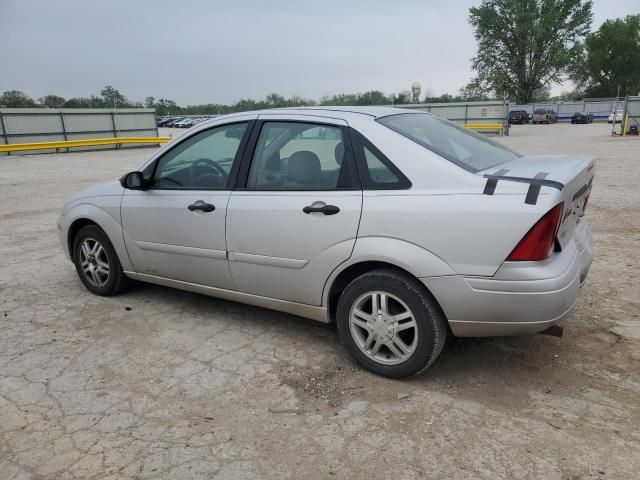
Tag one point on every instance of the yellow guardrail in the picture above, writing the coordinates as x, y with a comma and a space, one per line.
484, 126
92, 142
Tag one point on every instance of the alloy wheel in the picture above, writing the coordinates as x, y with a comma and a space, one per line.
94, 262
383, 327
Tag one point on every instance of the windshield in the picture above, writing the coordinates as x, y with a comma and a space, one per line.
469, 150
540, 111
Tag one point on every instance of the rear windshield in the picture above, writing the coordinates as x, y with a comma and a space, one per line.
469, 150
540, 111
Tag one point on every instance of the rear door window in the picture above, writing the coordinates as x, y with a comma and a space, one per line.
300, 156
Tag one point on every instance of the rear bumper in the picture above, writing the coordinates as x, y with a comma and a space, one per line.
521, 298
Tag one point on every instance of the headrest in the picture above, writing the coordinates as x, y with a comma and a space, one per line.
304, 167
339, 153
273, 162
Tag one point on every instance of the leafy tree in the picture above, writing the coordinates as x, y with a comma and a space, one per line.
166, 107
401, 98
297, 101
611, 59
523, 45
112, 97
372, 97
16, 99
469, 93
84, 102
276, 101
52, 101
542, 94
150, 102
568, 96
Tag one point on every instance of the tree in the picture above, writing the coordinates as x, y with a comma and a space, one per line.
112, 97
274, 100
165, 107
52, 101
84, 102
16, 99
150, 102
523, 45
541, 94
611, 59
401, 98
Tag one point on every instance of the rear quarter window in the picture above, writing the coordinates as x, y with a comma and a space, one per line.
376, 171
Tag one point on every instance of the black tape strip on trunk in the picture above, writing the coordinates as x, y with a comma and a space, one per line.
492, 181
532, 194
534, 189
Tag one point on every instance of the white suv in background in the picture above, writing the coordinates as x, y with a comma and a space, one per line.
616, 116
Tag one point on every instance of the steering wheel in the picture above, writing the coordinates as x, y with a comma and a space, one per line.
205, 162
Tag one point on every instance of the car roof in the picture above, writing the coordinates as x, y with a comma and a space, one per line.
340, 112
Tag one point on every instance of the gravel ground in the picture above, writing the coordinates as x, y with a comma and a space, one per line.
158, 383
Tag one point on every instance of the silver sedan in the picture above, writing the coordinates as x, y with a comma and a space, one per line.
399, 226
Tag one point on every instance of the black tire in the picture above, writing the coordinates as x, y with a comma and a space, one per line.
431, 328
116, 281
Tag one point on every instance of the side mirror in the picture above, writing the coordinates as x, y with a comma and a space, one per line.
133, 181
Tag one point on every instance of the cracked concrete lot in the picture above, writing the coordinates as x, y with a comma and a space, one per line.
163, 384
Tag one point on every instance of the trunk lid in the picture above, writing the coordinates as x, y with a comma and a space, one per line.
575, 173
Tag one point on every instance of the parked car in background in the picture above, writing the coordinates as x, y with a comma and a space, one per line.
544, 115
173, 122
400, 226
616, 116
167, 120
582, 117
185, 123
518, 116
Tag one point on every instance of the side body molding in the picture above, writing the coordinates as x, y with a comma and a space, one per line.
408, 256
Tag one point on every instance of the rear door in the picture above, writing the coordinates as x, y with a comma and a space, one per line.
294, 215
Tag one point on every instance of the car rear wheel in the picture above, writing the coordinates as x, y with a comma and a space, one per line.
390, 324
97, 263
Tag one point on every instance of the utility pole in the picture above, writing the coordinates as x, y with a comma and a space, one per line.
615, 109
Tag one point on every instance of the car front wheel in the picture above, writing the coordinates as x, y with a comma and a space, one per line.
390, 324
97, 263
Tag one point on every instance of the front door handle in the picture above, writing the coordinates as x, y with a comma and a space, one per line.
202, 206
325, 209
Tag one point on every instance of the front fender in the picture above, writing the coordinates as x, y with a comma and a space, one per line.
410, 257
107, 217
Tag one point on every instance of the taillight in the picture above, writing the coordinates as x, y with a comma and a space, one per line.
537, 244
584, 205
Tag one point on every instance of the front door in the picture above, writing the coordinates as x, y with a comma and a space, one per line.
176, 228
295, 213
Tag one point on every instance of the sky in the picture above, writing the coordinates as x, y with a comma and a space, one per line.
220, 51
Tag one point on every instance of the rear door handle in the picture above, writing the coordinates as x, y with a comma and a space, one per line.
325, 209
202, 206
